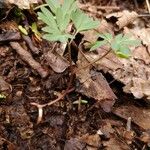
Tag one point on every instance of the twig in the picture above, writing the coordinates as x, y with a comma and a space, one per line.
91, 63
136, 4
34, 49
129, 124
148, 5
27, 57
41, 106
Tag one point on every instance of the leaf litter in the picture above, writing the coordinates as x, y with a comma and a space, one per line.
88, 127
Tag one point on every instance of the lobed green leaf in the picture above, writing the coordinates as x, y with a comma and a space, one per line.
83, 22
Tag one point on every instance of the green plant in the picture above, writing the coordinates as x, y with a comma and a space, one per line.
58, 18
119, 44
35, 30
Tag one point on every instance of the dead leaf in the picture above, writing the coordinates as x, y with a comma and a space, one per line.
109, 62
93, 85
115, 144
141, 53
133, 72
93, 141
105, 27
56, 62
5, 87
74, 144
140, 116
106, 128
22, 4
143, 33
124, 18
145, 137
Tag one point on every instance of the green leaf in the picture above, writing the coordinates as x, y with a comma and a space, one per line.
62, 19
57, 37
51, 30
23, 30
124, 52
53, 4
49, 17
83, 22
121, 44
107, 36
80, 101
97, 44
68, 6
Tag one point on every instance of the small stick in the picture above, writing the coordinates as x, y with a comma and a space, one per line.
91, 63
129, 124
148, 5
41, 106
34, 49
27, 57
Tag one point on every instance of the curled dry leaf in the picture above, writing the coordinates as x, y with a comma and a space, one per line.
94, 85
140, 116
123, 18
57, 62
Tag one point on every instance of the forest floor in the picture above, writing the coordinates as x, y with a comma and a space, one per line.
107, 105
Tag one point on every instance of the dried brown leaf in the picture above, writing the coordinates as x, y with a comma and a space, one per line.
115, 144
140, 116
57, 62
22, 4
94, 85
124, 18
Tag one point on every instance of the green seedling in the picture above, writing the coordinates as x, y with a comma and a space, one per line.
58, 17
35, 30
80, 101
23, 30
119, 44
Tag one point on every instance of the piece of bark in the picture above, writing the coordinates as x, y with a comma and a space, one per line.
27, 57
